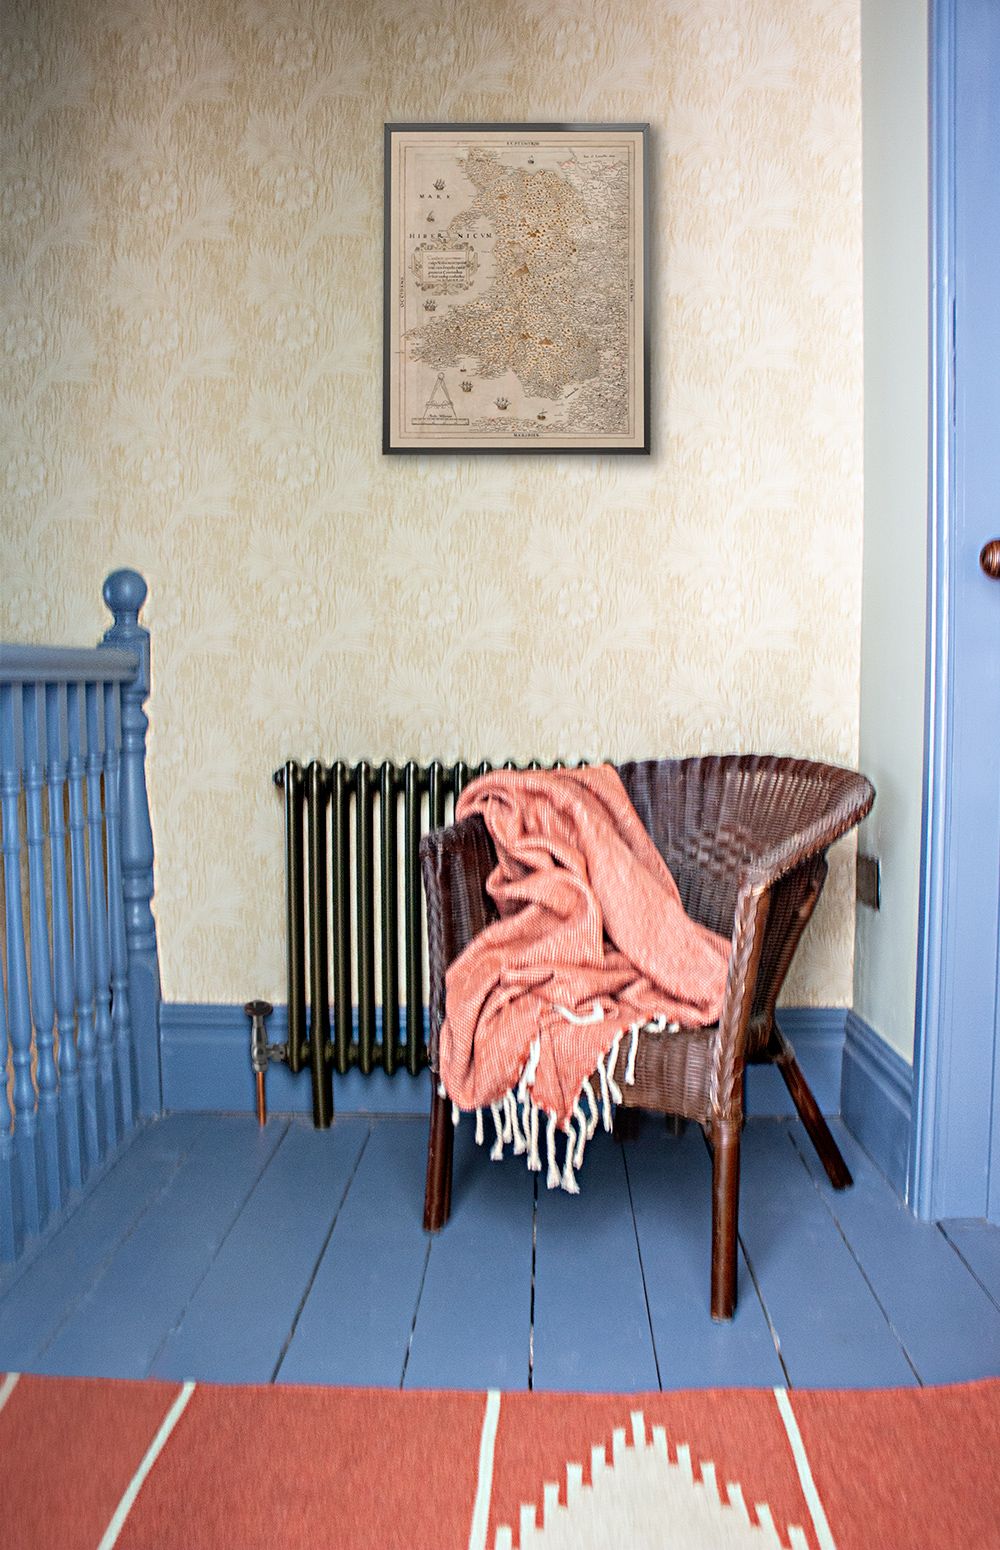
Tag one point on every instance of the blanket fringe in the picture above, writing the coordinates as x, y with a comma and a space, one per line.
568, 1179
605, 1095
496, 1151
588, 1090
520, 1144
534, 1161
633, 1045
520, 1130
581, 1133
613, 1088
553, 1180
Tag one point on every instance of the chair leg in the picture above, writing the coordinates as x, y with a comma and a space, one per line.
809, 1113
626, 1124
725, 1216
440, 1146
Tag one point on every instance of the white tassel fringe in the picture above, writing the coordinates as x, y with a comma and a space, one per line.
520, 1131
613, 1088
568, 1180
553, 1181
496, 1151
630, 1063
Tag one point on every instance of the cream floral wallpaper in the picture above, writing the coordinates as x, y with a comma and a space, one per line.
190, 198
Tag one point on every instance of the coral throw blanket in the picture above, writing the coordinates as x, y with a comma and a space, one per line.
592, 943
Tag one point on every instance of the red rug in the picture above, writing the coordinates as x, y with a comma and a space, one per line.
163, 1467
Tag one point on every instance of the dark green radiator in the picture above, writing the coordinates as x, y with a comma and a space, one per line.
345, 826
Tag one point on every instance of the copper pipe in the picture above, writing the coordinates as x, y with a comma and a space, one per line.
261, 1051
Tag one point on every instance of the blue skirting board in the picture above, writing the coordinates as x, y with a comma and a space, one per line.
205, 1059
875, 1099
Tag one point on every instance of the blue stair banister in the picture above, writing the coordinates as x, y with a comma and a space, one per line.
79, 995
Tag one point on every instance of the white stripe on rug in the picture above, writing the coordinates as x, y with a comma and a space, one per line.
7, 1387
484, 1483
824, 1538
153, 1452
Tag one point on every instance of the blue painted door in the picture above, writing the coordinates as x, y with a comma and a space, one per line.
957, 1131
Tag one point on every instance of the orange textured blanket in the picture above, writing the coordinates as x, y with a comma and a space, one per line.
592, 943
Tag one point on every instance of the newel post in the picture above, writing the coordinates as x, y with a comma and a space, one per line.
125, 593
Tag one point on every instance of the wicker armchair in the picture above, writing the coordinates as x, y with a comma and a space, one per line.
745, 837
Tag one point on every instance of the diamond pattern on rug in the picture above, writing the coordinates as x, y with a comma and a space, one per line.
631, 1500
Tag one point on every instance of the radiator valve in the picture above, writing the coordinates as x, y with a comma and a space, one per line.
261, 1052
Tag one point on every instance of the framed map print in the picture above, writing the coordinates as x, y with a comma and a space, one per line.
515, 288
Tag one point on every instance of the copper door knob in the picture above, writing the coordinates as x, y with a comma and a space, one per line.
989, 558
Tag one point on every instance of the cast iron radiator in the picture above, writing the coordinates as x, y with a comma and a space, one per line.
345, 826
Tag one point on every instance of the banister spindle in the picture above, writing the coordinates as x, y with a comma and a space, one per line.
42, 1003
83, 956
27, 1140
107, 1075
125, 593
121, 1019
11, 1232
71, 1106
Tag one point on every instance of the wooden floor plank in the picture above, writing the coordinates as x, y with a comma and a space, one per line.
474, 1322
12, 1271
591, 1326
830, 1327
356, 1322
118, 1327
978, 1242
236, 1325
200, 1242
41, 1300
942, 1317
671, 1183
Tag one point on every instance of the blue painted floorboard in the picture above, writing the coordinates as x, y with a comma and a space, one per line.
235, 1327
483, 1258
591, 1327
978, 1242
208, 1246
832, 1331
671, 1186
119, 1326
944, 1320
40, 1302
357, 1319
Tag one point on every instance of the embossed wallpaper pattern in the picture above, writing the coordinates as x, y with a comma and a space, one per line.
190, 204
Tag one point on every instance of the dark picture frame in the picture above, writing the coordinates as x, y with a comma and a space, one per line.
458, 320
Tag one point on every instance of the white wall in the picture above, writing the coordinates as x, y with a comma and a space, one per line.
894, 129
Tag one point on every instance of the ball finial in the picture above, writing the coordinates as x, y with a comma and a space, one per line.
125, 592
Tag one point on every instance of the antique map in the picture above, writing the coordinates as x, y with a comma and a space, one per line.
514, 288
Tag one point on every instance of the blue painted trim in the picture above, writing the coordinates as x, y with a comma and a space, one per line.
954, 1057
928, 1056
205, 1059
876, 1099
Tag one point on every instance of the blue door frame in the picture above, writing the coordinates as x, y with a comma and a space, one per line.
955, 1150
